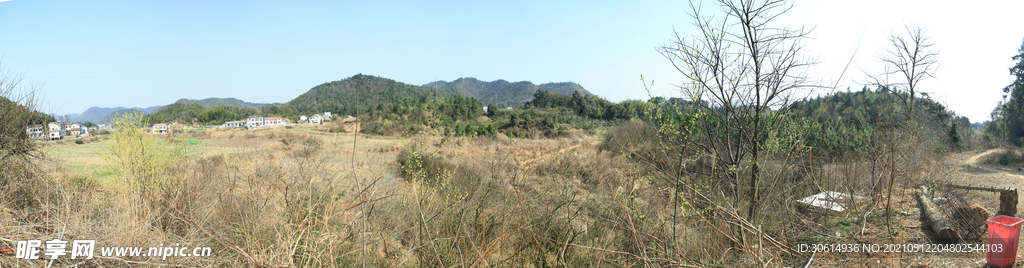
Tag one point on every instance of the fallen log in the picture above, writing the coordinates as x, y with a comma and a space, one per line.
935, 219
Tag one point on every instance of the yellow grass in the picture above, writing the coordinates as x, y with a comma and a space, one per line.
306, 197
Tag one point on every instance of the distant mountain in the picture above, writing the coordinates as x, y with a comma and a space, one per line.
95, 114
339, 97
501, 92
214, 102
106, 119
99, 114
58, 116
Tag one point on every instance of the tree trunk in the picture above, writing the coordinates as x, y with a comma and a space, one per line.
935, 219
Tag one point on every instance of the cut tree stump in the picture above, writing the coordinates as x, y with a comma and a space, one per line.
935, 219
1008, 202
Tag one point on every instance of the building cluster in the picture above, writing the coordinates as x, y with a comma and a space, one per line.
156, 129
316, 118
255, 121
506, 108
57, 131
260, 121
61, 130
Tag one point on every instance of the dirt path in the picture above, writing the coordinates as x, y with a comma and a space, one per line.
982, 169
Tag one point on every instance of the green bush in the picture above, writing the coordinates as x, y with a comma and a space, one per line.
1004, 158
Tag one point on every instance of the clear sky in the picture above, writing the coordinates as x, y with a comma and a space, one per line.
145, 53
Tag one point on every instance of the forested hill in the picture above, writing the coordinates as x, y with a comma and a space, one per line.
869, 107
846, 122
340, 96
214, 102
16, 116
504, 93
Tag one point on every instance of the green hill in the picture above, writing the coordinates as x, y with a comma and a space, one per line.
339, 97
214, 102
846, 123
187, 112
504, 93
15, 114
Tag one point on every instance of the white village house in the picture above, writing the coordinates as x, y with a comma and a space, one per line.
35, 131
254, 121
273, 121
56, 130
302, 118
160, 128
75, 129
231, 124
315, 119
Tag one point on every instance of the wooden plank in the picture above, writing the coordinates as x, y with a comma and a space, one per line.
979, 188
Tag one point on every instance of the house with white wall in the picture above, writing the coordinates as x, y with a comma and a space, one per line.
302, 118
273, 121
315, 119
56, 130
231, 124
254, 121
35, 131
160, 128
74, 130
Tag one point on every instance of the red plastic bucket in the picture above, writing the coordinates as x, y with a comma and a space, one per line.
1003, 235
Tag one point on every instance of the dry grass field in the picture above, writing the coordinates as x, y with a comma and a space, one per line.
312, 197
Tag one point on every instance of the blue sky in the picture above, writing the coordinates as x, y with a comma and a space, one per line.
145, 53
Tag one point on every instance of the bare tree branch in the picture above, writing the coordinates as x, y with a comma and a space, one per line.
912, 57
740, 71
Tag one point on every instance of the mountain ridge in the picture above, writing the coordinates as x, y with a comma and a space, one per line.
341, 96
502, 92
106, 119
97, 114
214, 102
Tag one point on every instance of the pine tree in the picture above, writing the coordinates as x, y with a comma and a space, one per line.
1013, 109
